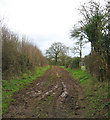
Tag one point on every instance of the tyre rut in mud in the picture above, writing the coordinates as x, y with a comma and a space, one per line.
54, 95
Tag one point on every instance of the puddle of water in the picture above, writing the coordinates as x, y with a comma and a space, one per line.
37, 83
64, 94
47, 93
56, 86
51, 91
63, 85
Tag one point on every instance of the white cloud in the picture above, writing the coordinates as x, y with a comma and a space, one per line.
44, 21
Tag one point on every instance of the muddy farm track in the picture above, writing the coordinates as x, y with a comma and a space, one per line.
54, 95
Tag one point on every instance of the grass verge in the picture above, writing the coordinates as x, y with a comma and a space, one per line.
12, 86
95, 94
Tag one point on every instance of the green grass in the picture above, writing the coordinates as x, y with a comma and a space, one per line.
12, 86
95, 93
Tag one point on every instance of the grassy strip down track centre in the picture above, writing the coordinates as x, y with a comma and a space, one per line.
12, 86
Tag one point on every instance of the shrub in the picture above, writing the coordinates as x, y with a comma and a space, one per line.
75, 62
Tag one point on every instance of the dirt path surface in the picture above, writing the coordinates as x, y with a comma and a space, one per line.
54, 95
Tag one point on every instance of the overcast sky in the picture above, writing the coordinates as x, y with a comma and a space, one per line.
43, 21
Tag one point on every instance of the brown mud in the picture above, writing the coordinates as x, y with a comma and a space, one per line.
54, 95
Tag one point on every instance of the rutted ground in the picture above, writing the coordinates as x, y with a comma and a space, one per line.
54, 95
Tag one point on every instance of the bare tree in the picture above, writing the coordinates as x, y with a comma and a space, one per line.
17, 56
55, 52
